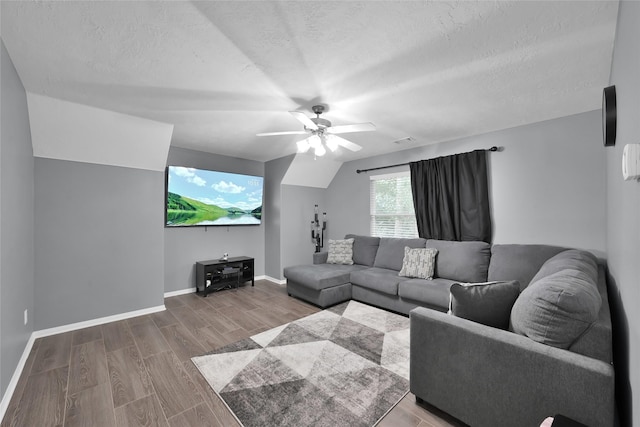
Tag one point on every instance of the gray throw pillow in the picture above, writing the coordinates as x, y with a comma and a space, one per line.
488, 303
557, 309
340, 252
419, 262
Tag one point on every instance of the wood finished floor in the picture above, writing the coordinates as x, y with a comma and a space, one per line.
138, 372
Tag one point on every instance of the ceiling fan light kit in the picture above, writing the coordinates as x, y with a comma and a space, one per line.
322, 133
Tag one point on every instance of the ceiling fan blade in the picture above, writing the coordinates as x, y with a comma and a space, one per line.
293, 132
306, 121
346, 143
358, 127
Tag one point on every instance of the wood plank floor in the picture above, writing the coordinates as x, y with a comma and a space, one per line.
138, 372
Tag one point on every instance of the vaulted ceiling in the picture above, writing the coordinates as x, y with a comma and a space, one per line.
222, 71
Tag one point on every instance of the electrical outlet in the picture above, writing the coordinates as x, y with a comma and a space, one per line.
26, 316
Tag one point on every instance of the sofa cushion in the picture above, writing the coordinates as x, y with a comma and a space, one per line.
418, 262
340, 252
461, 261
488, 303
519, 262
557, 309
364, 249
320, 276
433, 292
379, 279
391, 251
573, 259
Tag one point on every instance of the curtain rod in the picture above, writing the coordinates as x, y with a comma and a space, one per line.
494, 148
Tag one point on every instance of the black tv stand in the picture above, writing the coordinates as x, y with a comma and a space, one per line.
217, 274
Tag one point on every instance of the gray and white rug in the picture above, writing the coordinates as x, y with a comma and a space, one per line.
347, 365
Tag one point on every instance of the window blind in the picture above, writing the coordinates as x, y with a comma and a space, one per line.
391, 206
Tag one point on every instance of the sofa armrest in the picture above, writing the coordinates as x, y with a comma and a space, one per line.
486, 376
320, 257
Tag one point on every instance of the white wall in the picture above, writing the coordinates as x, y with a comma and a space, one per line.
546, 186
68, 131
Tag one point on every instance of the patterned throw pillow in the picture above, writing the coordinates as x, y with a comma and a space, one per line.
340, 252
418, 262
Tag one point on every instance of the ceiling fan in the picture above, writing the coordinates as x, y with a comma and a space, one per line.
322, 133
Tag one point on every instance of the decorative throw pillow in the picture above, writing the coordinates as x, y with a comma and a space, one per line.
340, 252
557, 309
418, 262
488, 303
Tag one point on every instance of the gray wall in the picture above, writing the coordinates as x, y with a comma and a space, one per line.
16, 221
297, 247
623, 216
184, 246
274, 171
99, 241
547, 186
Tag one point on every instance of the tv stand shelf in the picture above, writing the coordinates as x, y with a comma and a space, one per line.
216, 274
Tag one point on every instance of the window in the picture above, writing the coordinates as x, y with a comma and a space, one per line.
391, 204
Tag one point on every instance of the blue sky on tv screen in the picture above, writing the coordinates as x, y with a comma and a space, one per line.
222, 189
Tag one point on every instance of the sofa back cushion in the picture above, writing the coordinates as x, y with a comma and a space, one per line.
364, 249
561, 303
519, 262
461, 261
572, 258
391, 251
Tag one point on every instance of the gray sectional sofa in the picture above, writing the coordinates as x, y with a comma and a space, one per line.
482, 375
373, 277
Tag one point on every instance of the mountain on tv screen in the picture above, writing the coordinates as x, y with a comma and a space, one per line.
198, 197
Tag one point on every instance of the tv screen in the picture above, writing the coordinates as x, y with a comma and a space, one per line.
197, 197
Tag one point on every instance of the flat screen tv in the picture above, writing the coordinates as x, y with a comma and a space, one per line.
198, 197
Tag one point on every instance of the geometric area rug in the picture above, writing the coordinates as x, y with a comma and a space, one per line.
344, 366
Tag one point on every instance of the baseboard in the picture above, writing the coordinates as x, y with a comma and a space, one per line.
192, 290
180, 292
95, 322
271, 279
11, 388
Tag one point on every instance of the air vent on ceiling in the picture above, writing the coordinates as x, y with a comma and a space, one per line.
404, 140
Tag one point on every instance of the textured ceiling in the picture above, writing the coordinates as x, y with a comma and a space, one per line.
223, 71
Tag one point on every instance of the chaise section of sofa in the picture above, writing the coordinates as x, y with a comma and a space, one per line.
325, 284
321, 284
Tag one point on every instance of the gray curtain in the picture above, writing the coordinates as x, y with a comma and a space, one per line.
451, 197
